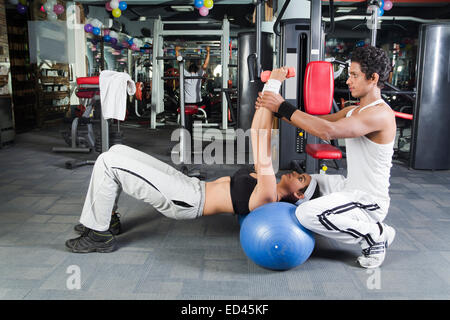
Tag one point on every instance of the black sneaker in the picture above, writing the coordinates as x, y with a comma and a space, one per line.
114, 226
93, 241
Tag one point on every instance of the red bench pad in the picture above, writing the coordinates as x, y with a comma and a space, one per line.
323, 151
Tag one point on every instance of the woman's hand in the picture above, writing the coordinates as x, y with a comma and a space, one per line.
279, 74
269, 100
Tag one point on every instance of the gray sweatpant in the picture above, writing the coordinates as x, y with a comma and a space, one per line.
143, 177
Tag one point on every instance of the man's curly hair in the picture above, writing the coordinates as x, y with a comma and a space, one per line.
373, 60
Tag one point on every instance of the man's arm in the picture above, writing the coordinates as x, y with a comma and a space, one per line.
206, 63
337, 115
357, 125
330, 117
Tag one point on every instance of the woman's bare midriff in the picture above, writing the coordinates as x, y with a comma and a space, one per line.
218, 197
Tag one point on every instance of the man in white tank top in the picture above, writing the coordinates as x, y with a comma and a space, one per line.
352, 209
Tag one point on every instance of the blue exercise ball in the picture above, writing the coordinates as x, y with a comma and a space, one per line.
272, 237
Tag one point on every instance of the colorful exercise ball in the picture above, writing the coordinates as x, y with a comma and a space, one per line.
21, 8
106, 32
88, 27
208, 3
108, 7
387, 5
58, 8
107, 38
203, 11
96, 31
123, 5
114, 4
134, 47
198, 4
113, 41
130, 41
380, 11
116, 12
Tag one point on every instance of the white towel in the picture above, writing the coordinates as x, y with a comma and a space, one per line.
114, 87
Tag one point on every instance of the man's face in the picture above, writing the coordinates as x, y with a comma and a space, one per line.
357, 82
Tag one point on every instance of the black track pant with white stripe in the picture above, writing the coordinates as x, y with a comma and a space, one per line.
347, 216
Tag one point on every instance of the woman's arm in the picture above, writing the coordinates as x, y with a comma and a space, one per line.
261, 134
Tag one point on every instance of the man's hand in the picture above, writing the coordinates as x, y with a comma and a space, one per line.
207, 49
279, 74
269, 100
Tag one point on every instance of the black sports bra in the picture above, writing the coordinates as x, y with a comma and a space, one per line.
242, 185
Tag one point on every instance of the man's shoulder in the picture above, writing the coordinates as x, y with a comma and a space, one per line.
381, 109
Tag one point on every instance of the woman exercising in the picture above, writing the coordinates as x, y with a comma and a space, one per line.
178, 196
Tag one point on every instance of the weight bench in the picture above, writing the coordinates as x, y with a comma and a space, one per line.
318, 99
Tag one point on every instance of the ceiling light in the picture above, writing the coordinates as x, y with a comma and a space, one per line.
182, 8
142, 18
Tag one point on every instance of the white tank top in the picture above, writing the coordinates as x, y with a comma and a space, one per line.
369, 165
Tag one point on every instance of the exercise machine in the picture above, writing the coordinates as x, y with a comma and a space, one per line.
183, 154
157, 100
89, 92
82, 141
301, 41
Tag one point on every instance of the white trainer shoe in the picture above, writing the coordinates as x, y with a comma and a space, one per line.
373, 256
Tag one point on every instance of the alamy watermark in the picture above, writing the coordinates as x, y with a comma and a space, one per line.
221, 150
73, 281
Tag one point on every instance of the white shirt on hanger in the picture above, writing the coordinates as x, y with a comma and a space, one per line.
114, 87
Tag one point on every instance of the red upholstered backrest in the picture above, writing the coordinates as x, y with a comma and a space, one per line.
87, 94
318, 88
88, 80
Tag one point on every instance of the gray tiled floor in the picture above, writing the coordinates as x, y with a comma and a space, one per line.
158, 258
